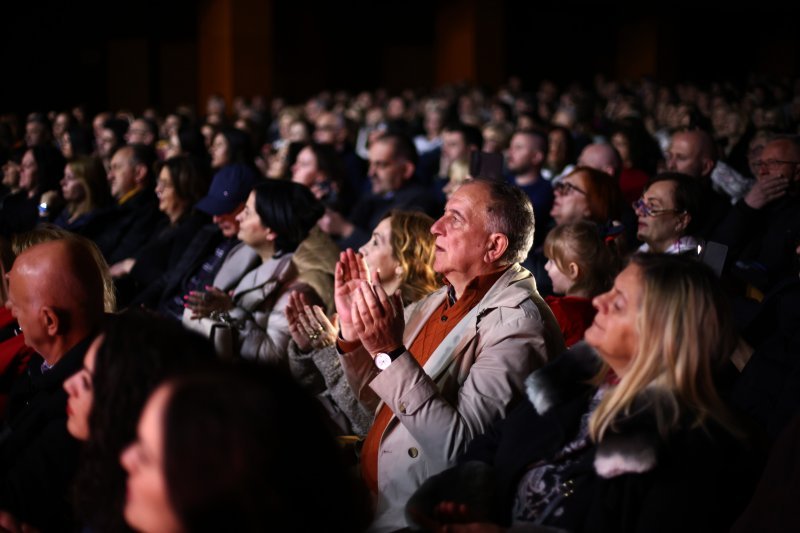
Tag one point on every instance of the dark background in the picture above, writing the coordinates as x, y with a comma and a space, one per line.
132, 54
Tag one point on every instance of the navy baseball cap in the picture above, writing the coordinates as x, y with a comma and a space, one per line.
229, 188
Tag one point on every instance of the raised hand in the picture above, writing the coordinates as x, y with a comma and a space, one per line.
351, 270
293, 310
377, 318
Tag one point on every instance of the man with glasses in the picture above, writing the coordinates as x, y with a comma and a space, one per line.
763, 230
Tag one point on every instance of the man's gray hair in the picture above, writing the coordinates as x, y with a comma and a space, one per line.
510, 212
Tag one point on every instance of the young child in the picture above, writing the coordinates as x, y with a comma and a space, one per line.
581, 266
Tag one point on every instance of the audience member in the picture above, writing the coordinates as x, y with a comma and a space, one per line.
667, 213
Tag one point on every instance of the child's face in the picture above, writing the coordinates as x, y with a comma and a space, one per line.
561, 282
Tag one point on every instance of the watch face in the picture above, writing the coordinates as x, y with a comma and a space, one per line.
383, 360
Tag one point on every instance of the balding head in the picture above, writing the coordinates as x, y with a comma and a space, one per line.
691, 152
56, 294
602, 157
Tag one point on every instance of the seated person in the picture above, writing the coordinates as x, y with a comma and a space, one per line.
277, 217
285, 458
623, 433
667, 212
581, 266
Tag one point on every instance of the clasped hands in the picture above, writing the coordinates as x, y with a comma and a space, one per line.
203, 303
366, 312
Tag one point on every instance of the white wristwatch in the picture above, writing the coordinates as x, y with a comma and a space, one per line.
383, 359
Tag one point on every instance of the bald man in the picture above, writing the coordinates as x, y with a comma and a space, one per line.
602, 157
55, 291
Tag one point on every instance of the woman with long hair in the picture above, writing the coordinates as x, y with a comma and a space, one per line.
241, 449
399, 257
626, 432
84, 188
133, 353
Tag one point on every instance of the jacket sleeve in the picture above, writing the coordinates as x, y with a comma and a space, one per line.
510, 344
339, 391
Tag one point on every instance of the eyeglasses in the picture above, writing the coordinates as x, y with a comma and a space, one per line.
562, 187
646, 210
772, 163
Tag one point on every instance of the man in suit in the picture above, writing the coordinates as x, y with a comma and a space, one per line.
455, 363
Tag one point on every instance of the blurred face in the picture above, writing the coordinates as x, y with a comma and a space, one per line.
11, 175
570, 203
327, 129
28, 178
219, 151
122, 174
659, 224
454, 147
522, 154
228, 223
561, 281
304, 170
557, 153
614, 333
66, 146
461, 233
106, 142
683, 156
71, 187
34, 134
147, 506
620, 142
777, 159
80, 393
139, 133
168, 201
378, 252
386, 172
251, 231
60, 125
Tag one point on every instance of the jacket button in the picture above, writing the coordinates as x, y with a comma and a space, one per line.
402, 407
413, 453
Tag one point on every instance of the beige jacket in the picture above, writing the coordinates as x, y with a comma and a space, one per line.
471, 380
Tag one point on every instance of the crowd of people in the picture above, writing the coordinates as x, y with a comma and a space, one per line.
567, 309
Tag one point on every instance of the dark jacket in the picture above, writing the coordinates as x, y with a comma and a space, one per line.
38, 456
697, 479
129, 227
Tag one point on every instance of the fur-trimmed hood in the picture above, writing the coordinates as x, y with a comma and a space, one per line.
632, 444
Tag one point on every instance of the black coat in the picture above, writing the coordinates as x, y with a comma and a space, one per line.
129, 227
697, 479
38, 456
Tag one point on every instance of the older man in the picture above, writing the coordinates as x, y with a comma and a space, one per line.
56, 294
763, 230
456, 362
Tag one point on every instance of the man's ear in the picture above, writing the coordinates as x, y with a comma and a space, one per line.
50, 321
496, 247
683, 222
408, 170
708, 166
140, 172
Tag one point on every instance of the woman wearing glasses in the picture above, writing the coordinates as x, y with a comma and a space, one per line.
667, 214
586, 194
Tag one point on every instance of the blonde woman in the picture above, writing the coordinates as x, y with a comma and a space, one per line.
399, 256
85, 190
625, 432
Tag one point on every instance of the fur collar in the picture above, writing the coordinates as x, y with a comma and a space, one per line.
632, 444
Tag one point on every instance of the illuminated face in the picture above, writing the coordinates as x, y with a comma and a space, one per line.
80, 393
28, 176
147, 504
251, 230
684, 156
378, 253
305, 171
72, 188
462, 236
570, 202
561, 281
660, 224
122, 174
228, 223
614, 333
168, 201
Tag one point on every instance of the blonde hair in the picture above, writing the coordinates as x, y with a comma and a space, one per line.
48, 233
581, 243
90, 173
413, 247
685, 335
